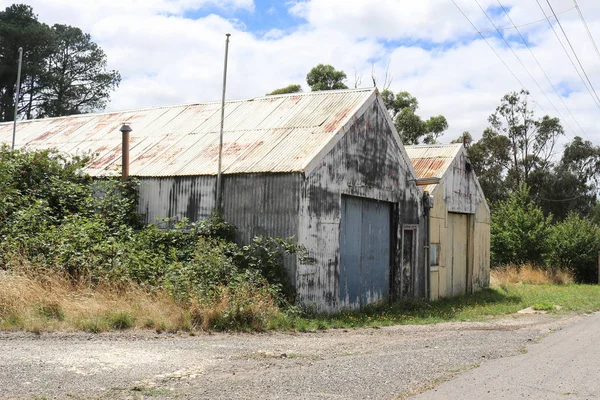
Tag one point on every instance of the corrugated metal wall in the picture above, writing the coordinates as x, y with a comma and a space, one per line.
180, 197
257, 204
366, 162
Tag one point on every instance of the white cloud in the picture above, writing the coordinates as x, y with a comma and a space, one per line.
432, 52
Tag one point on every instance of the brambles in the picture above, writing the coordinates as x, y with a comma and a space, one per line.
63, 233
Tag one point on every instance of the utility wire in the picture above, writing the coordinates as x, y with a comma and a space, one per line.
523, 65
568, 55
560, 200
573, 50
586, 27
527, 24
490, 46
541, 68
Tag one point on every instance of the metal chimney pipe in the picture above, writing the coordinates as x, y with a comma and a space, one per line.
125, 130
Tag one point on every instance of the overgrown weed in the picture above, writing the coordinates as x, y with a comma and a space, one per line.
529, 274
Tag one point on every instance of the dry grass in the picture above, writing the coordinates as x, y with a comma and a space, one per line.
42, 300
243, 307
529, 274
49, 301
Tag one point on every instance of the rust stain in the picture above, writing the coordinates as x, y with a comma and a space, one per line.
152, 152
252, 150
337, 119
428, 167
45, 135
106, 120
229, 149
106, 159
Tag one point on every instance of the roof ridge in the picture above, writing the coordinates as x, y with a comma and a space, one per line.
198, 103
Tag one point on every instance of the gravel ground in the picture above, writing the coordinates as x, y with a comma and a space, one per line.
386, 363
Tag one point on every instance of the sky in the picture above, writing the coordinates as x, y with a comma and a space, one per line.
171, 51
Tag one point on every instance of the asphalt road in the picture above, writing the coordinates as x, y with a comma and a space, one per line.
563, 365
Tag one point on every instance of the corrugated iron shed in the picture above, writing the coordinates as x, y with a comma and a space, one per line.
432, 160
267, 134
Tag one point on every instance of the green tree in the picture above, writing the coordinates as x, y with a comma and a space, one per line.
19, 27
411, 127
325, 77
76, 80
519, 231
574, 245
466, 137
287, 89
532, 140
64, 72
490, 157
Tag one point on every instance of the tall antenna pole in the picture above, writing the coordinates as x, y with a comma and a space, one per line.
17, 97
219, 194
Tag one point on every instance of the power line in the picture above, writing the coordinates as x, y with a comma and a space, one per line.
568, 55
586, 27
573, 50
523, 65
527, 24
541, 68
490, 46
561, 200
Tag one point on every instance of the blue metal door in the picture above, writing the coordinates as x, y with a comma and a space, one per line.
364, 250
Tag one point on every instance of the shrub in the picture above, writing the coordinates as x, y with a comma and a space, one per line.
574, 245
247, 303
519, 231
57, 221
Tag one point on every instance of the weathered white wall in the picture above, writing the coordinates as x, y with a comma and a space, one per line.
367, 161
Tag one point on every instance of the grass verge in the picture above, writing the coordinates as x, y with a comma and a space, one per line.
50, 302
487, 303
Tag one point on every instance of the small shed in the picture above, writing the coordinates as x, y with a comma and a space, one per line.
326, 167
459, 220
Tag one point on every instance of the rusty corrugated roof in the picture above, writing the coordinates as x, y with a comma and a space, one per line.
267, 134
432, 160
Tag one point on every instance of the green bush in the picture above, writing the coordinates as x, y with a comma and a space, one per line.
519, 231
54, 217
574, 244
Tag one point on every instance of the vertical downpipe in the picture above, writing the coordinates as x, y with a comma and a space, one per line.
17, 97
219, 191
125, 130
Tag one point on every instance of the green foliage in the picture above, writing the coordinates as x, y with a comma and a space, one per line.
287, 89
120, 320
466, 137
519, 231
574, 244
411, 127
490, 157
63, 73
325, 77
265, 255
55, 218
19, 27
76, 79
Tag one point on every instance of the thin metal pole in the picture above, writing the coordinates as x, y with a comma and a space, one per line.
17, 97
219, 194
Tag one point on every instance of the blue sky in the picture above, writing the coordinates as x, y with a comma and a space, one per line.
266, 15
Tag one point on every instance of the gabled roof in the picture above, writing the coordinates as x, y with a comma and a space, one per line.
267, 134
432, 160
